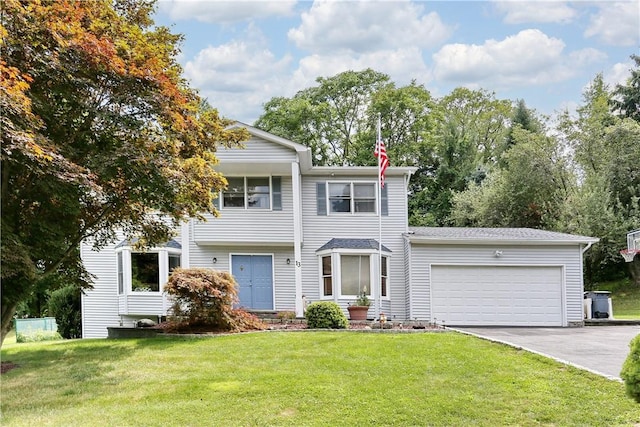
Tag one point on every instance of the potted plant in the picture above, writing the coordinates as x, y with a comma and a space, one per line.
359, 309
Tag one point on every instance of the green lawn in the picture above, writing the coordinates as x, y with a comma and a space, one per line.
625, 298
301, 379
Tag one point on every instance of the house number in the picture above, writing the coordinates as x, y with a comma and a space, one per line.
298, 263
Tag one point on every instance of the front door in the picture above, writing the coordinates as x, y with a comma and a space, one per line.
254, 274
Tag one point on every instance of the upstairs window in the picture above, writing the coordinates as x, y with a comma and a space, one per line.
352, 197
252, 193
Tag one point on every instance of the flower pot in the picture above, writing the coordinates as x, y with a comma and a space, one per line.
358, 312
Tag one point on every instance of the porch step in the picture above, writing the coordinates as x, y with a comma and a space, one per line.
264, 314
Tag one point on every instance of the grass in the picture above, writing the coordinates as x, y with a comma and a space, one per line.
625, 298
302, 379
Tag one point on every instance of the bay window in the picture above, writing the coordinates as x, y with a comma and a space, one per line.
145, 272
345, 274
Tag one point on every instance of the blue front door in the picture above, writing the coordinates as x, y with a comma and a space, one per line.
254, 274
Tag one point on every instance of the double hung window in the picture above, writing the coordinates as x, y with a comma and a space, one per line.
352, 197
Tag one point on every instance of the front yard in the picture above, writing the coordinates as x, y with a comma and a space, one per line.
301, 379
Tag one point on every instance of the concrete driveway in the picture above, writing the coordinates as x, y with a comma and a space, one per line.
598, 349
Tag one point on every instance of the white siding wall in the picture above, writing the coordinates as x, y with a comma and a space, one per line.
318, 230
423, 256
100, 304
256, 150
284, 280
250, 225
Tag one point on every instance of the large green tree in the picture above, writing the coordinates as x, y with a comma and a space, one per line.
99, 132
626, 100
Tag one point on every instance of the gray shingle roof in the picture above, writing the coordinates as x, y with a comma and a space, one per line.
170, 244
352, 244
495, 234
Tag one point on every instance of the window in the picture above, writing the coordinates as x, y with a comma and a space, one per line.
352, 197
233, 196
120, 274
145, 272
327, 283
347, 275
249, 193
383, 277
258, 193
355, 275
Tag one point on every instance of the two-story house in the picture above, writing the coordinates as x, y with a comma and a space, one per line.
293, 233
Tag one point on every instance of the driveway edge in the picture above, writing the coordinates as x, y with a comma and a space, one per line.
539, 353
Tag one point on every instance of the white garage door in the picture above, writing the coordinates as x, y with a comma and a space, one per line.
499, 296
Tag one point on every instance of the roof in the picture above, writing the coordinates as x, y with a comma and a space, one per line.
371, 244
470, 235
170, 244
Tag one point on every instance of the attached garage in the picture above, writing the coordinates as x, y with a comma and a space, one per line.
495, 276
497, 295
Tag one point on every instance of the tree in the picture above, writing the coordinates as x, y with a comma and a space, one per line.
468, 134
328, 117
522, 118
527, 192
100, 132
626, 101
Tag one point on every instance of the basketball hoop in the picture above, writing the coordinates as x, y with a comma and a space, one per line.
629, 254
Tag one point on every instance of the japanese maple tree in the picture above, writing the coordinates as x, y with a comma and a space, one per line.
100, 132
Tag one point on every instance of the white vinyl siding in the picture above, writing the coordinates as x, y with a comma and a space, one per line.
250, 226
319, 229
283, 273
256, 151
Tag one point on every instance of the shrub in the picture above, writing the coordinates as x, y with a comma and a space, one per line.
65, 306
631, 370
325, 315
204, 298
38, 336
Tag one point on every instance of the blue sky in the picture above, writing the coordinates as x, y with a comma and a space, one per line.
240, 54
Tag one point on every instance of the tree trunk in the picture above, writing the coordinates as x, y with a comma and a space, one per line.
8, 310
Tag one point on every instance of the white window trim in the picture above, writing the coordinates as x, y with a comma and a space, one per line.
246, 195
336, 273
163, 268
352, 211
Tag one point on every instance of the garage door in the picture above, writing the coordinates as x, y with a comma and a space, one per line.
499, 296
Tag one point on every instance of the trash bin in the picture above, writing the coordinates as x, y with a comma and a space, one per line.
599, 304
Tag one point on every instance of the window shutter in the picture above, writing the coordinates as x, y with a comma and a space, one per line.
321, 198
384, 201
276, 182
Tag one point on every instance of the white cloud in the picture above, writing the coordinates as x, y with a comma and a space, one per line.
402, 65
238, 77
616, 24
519, 12
527, 58
619, 73
224, 11
367, 26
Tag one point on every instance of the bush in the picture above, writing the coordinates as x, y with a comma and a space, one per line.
631, 370
65, 306
38, 336
325, 315
203, 299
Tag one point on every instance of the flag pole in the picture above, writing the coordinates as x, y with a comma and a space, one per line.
380, 184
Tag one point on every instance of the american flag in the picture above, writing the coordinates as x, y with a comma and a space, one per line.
383, 161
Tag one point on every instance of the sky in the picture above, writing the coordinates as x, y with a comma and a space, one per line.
241, 54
